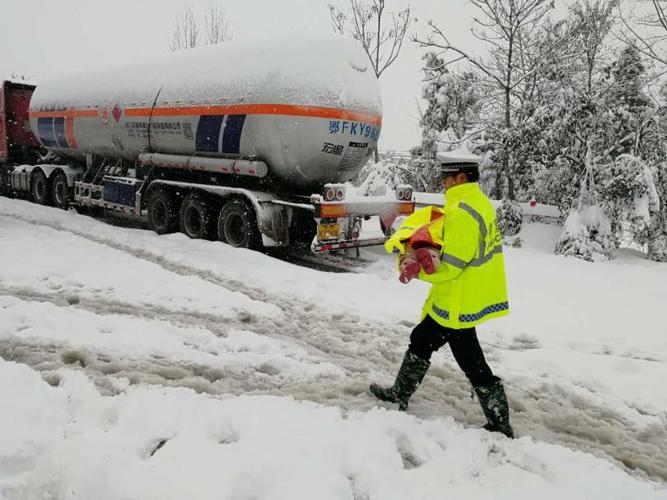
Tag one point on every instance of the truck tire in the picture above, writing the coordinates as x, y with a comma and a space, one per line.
60, 191
237, 225
194, 217
39, 188
162, 212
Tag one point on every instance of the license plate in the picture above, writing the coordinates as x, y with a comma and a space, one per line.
328, 232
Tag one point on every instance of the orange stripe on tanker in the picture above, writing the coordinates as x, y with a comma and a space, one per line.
236, 109
69, 132
258, 109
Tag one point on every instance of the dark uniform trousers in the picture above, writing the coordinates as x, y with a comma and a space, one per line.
429, 336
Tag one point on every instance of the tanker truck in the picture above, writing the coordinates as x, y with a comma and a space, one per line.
250, 143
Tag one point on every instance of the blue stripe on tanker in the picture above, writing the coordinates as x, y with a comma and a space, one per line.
208, 133
231, 139
59, 132
46, 133
219, 133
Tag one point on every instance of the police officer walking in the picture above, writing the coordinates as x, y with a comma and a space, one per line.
468, 288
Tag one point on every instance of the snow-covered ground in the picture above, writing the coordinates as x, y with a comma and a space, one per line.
137, 366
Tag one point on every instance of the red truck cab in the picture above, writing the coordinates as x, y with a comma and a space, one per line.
17, 142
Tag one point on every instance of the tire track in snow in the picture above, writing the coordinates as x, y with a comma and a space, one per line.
216, 324
153, 370
369, 351
305, 314
541, 413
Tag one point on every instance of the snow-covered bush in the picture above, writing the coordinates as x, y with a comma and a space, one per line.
423, 174
630, 193
515, 242
575, 240
509, 217
552, 185
657, 222
587, 233
657, 247
621, 185
381, 177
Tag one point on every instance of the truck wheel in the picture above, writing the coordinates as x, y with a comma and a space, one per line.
237, 225
60, 192
194, 217
39, 188
162, 212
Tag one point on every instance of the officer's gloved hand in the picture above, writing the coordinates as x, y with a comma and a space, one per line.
428, 259
409, 268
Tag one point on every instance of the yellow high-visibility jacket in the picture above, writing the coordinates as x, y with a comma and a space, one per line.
419, 218
469, 287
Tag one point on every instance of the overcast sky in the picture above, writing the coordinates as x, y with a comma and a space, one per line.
42, 37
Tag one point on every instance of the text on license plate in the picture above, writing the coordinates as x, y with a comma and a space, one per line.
328, 231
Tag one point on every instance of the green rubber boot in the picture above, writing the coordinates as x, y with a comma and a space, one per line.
493, 400
410, 375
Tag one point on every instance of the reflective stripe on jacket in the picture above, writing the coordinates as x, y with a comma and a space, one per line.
469, 286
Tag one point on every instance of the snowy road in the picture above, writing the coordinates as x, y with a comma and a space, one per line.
125, 306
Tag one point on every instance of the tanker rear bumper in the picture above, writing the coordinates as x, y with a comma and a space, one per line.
328, 246
339, 220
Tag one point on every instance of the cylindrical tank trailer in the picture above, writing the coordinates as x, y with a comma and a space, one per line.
247, 142
309, 109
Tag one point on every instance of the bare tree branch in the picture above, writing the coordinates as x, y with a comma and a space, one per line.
648, 43
217, 25
185, 34
379, 33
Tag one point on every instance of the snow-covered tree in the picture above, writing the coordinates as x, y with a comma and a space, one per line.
383, 177
558, 103
657, 231
575, 240
593, 125
452, 109
588, 230
648, 222
569, 116
625, 100
453, 99
566, 115
507, 27
509, 217
623, 190
587, 233
620, 172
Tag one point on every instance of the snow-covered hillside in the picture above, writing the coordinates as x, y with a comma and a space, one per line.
136, 366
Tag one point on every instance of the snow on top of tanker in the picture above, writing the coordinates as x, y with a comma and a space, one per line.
314, 71
327, 72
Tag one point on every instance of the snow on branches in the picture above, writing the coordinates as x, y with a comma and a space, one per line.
509, 217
